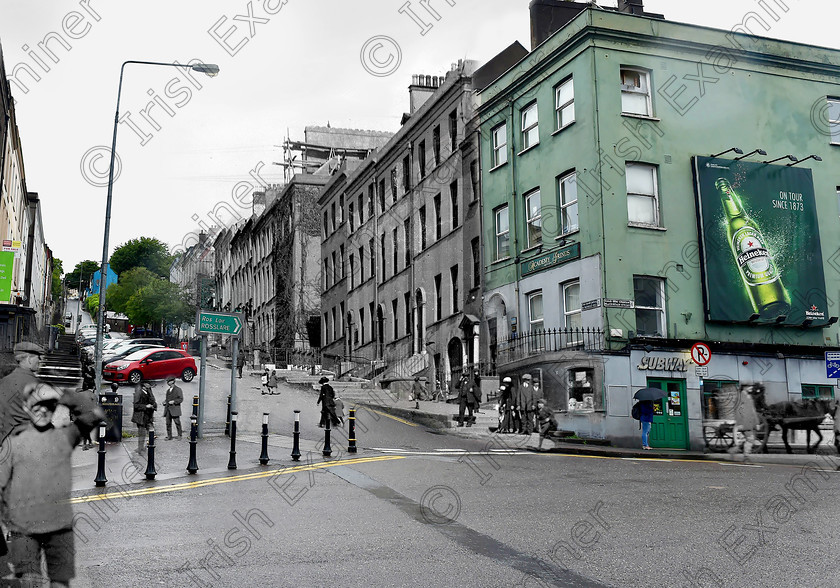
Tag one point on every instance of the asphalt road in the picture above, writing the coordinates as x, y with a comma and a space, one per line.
429, 508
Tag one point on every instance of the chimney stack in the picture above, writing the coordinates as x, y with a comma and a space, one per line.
631, 7
422, 86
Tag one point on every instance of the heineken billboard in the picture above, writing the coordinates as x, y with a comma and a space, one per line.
760, 242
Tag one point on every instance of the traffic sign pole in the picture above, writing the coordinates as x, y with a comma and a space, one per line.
234, 357
202, 372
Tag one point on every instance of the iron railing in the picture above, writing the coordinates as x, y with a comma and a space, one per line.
534, 343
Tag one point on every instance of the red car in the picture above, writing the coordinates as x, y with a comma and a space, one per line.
151, 364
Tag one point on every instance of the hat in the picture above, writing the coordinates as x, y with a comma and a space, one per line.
27, 347
323, 380
526, 376
507, 380
542, 400
170, 379
40, 393
146, 386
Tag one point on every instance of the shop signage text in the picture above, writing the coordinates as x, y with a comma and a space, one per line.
618, 303
551, 259
663, 364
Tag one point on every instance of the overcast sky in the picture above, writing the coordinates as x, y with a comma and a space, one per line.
284, 64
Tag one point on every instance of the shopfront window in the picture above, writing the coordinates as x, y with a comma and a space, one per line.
719, 399
816, 392
583, 396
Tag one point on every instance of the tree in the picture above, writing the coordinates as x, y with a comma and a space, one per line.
130, 283
144, 252
83, 270
56, 278
160, 301
92, 306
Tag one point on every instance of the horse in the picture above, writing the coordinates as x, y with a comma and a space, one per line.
805, 415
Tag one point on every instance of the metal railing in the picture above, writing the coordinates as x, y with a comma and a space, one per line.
550, 340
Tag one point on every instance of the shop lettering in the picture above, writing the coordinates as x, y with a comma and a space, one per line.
663, 364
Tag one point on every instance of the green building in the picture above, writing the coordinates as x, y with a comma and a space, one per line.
648, 185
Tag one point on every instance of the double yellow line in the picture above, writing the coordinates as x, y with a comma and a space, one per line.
228, 479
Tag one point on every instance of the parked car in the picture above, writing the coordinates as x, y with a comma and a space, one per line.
151, 364
125, 352
126, 343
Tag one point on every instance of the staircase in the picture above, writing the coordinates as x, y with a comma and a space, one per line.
351, 392
61, 367
406, 368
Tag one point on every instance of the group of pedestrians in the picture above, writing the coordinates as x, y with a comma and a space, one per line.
145, 406
518, 405
35, 471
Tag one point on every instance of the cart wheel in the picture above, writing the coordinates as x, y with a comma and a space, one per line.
718, 440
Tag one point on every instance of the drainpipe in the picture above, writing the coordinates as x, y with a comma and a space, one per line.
512, 218
601, 189
415, 338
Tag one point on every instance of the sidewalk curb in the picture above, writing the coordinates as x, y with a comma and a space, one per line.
440, 421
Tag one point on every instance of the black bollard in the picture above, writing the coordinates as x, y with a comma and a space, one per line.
100, 478
351, 437
227, 422
195, 406
264, 454
232, 462
327, 449
296, 438
150, 466
192, 467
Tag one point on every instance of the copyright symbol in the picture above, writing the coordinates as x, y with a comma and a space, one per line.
440, 505
821, 118
5, 451
381, 56
95, 166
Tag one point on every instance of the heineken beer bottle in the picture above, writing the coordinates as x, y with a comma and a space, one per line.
758, 271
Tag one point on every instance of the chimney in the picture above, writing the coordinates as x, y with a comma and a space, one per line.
631, 7
422, 86
258, 202
549, 16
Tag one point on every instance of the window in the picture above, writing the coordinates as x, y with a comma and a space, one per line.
642, 199
372, 258
394, 186
564, 103
362, 324
350, 215
535, 311
502, 233
382, 255
533, 210
834, 120
421, 158
341, 255
720, 399
567, 186
394, 308
335, 270
436, 144
474, 180
372, 316
499, 136
453, 200
816, 392
407, 241
395, 257
635, 92
476, 262
371, 190
422, 228
453, 130
530, 126
362, 264
571, 305
333, 214
326, 274
352, 271
406, 174
334, 325
407, 307
361, 209
453, 276
438, 298
583, 395
649, 295
382, 195
438, 219
343, 317
326, 224
340, 209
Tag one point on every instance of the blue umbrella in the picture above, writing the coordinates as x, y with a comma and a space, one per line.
650, 394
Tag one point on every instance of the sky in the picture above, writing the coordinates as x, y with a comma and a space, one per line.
284, 64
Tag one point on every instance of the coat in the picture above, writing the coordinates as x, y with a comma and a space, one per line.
174, 398
326, 398
143, 417
527, 397
12, 415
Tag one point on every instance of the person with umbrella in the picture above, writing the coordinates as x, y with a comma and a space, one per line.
646, 396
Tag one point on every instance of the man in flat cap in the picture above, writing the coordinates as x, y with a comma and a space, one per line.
526, 394
12, 413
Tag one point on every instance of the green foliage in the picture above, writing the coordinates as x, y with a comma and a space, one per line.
56, 278
60, 327
143, 252
84, 270
160, 301
92, 306
130, 283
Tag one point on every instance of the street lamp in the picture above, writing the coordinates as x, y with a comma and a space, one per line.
208, 69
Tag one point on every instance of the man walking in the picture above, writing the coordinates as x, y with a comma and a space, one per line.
240, 361
526, 393
172, 407
144, 412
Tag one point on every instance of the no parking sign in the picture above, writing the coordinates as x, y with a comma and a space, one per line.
701, 354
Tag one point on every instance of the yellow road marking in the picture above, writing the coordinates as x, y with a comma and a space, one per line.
227, 479
390, 416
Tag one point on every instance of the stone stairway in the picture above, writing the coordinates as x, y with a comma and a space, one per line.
61, 367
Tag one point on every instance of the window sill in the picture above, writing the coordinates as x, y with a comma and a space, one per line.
492, 169
531, 249
501, 260
563, 128
528, 148
640, 116
566, 235
645, 226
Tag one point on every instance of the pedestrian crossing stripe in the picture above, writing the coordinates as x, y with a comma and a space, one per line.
226, 479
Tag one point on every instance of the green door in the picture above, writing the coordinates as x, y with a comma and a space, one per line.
670, 418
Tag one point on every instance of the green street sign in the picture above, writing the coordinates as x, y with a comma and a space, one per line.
218, 323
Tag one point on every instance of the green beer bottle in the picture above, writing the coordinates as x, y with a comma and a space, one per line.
759, 273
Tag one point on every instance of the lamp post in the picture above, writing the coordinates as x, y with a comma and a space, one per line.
205, 68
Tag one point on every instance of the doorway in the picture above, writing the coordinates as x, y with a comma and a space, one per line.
670, 415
